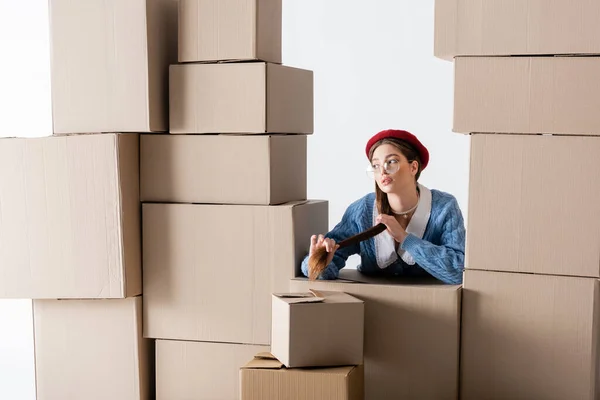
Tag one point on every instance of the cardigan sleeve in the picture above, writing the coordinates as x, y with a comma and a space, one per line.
347, 227
446, 260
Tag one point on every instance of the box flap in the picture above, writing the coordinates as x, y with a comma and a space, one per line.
264, 360
307, 297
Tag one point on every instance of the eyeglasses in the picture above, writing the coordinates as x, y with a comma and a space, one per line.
390, 167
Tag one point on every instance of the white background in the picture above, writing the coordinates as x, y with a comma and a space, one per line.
374, 69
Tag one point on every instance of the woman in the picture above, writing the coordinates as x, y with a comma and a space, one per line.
425, 228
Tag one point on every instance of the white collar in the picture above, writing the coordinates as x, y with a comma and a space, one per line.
385, 247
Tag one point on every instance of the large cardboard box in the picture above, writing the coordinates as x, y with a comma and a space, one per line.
200, 370
250, 98
209, 270
70, 217
265, 378
110, 61
515, 27
527, 95
222, 30
92, 349
528, 336
412, 328
317, 329
533, 204
223, 169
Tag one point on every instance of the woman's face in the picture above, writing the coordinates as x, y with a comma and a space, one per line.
392, 171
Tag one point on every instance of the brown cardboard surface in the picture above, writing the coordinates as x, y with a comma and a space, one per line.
527, 95
225, 169
92, 349
528, 336
110, 63
533, 204
411, 346
317, 334
209, 270
70, 217
224, 30
263, 378
515, 27
248, 98
199, 370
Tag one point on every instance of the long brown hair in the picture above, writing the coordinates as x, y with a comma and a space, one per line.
381, 199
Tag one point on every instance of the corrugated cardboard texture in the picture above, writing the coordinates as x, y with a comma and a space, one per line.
338, 383
92, 349
527, 95
516, 27
209, 270
226, 169
411, 345
110, 64
70, 217
222, 30
533, 204
529, 336
240, 98
327, 334
200, 371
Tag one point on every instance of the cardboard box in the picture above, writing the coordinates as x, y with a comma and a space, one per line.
266, 378
92, 349
515, 27
222, 30
317, 329
533, 204
527, 95
529, 336
199, 370
110, 62
228, 169
209, 270
240, 98
411, 348
70, 217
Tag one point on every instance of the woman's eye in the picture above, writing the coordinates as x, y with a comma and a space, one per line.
375, 166
392, 161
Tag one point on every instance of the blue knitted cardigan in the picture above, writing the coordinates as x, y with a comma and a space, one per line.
440, 252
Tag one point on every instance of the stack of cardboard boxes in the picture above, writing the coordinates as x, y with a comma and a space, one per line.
225, 217
526, 89
317, 341
69, 204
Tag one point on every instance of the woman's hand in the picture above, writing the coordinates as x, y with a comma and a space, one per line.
393, 227
321, 241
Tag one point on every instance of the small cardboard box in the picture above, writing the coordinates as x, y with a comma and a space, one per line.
248, 98
223, 169
266, 378
225, 30
317, 329
200, 370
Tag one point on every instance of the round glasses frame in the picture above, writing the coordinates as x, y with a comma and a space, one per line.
390, 167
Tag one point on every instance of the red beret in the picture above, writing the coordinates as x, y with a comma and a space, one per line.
405, 136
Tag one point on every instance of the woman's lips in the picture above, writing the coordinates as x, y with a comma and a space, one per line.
386, 181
